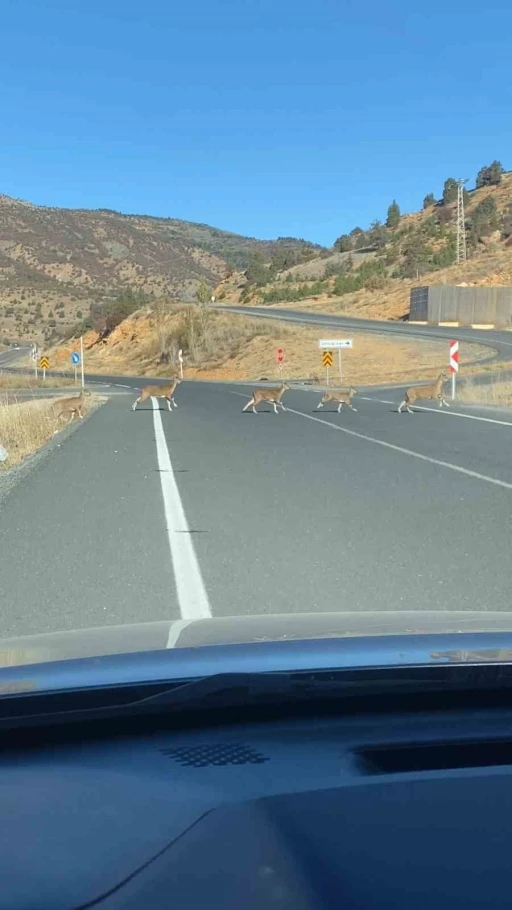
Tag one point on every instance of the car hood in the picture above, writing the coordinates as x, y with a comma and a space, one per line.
238, 630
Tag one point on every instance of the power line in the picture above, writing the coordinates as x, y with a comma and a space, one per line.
461, 223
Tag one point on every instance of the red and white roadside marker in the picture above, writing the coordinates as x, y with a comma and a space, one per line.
280, 359
454, 363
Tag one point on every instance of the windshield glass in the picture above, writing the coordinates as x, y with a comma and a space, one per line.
255, 302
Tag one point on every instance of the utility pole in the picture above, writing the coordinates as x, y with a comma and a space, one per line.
461, 223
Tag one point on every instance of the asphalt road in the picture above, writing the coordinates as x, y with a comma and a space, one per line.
500, 340
13, 356
210, 511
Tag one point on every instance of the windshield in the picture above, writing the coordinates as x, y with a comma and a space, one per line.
255, 312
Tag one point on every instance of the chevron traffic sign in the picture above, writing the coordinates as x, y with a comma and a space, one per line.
454, 356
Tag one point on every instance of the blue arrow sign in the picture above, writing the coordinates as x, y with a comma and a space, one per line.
75, 358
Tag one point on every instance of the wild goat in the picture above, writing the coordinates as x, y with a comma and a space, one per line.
70, 405
158, 391
415, 393
272, 395
341, 397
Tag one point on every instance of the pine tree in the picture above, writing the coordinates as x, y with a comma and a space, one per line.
343, 244
450, 191
256, 272
429, 200
393, 218
489, 176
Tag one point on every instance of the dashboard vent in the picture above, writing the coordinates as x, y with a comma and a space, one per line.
216, 754
396, 759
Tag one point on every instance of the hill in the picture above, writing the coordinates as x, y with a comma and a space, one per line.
54, 263
370, 272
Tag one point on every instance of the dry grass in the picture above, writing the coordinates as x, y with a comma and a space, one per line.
491, 393
25, 426
28, 381
229, 346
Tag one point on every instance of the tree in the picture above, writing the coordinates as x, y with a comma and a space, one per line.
450, 191
256, 272
361, 241
203, 293
506, 223
393, 217
429, 200
416, 257
496, 171
343, 244
161, 309
489, 175
377, 235
483, 220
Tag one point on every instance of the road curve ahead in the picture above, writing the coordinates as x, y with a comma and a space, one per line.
211, 511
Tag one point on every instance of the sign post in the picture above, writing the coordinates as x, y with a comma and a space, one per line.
44, 363
180, 358
280, 359
82, 359
336, 344
454, 363
327, 362
34, 358
75, 360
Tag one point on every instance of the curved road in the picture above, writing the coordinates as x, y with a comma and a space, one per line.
500, 340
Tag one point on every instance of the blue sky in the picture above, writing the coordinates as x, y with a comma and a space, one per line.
265, 117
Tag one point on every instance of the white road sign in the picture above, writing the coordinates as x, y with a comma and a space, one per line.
180, 355
330, 344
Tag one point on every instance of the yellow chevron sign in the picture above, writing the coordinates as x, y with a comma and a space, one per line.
327, 358
44, 363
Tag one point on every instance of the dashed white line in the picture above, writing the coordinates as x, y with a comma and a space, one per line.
192, 597
403, 451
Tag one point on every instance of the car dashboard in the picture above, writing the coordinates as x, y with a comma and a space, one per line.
397, 807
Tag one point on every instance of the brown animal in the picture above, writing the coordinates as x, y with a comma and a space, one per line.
272, 395
341, 397
71, 406
415, 393
158, 391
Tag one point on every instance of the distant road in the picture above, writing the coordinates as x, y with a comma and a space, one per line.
13, 356
501, 341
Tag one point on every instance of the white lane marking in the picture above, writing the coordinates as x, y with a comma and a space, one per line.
176, 627
389, 445
192, 597
417, 407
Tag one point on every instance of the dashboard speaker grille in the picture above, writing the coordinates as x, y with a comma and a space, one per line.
205, 754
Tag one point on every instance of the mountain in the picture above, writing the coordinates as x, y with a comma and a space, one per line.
55, 262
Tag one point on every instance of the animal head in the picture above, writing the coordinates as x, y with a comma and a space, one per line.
443, 377
352, 390
284, 386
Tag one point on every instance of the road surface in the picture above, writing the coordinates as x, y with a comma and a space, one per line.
210, 511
